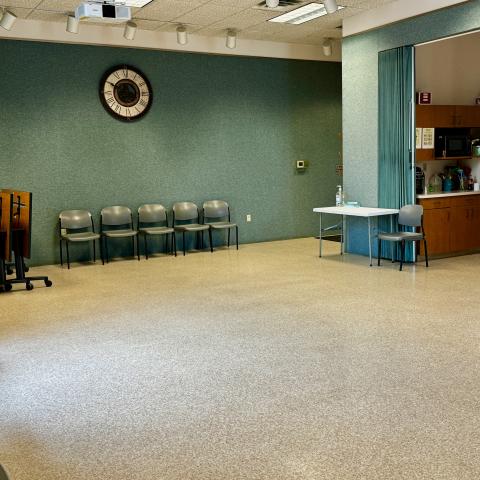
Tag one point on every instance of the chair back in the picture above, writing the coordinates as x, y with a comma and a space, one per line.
411, 216
152, 213
185, 211
216, 209
75, 219
116, 216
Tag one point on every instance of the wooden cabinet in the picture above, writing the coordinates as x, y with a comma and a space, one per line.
451, 224
448, 116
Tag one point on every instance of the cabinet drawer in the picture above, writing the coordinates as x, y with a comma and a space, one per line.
465, 201
430, 203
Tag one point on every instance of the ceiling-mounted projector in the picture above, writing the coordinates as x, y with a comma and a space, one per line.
103, 12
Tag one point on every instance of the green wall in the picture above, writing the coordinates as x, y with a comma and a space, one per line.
360, 97
220, 127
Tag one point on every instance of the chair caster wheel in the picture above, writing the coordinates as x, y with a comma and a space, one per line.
29, 286
48, 283
7, 287
9, 271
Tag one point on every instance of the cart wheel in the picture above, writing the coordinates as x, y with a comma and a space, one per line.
7, 287
48, 283
29, 286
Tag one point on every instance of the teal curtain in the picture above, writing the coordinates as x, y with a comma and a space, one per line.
395, 122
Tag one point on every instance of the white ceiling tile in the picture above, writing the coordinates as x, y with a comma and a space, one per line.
148, 24
46, 16
245, 19
58, 5
172, 26
20, 12
19, 3
167, 10
208, 14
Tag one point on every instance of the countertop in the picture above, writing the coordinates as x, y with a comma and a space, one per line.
448, 194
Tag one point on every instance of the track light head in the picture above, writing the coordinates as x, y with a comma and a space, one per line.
272, 3
8, 19
130, 30
72, 24
331, 6
327, 47
231, 38
182, 35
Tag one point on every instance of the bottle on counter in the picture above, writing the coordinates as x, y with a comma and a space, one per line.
339, 196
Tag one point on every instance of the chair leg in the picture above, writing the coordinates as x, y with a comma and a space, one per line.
174, 241
236, 235
94, 252
133, 247
183, 241
106, 248
228, 238
201, 239
68, 255
138, 246
61, 253
379, 251
426, 252
402, 254
145, 245
210, 239
101, 249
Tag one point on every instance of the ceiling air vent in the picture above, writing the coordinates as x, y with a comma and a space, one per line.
283, 5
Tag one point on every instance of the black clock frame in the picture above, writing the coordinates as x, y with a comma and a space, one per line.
105, 103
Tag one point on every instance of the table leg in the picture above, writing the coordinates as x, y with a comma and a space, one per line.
392, 243
342, 244
320, 236
370, 240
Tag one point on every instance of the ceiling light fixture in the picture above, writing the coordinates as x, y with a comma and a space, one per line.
327, 47
231, 38
331, 6
303, 14
182, 35
72, 24
8, 19
272, 3
134, 3
130, 30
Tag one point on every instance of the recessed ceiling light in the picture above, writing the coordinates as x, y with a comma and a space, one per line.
303, 14
135, 3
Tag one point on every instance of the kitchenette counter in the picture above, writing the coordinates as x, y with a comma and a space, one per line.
447, 194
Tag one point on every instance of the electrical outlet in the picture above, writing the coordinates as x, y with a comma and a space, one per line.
249, 218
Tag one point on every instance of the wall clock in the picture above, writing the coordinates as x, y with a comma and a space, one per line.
126, 93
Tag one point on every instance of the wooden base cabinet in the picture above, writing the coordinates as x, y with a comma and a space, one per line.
452, 224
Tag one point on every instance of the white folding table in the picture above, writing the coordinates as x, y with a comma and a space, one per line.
365, 212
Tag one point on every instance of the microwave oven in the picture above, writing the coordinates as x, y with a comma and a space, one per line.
450, 144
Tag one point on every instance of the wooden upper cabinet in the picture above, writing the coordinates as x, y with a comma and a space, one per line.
467, 115
448, 116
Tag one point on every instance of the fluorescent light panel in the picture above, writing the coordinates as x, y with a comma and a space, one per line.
303, 14
133, 3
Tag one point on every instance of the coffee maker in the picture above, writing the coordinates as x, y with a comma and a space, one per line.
419, 181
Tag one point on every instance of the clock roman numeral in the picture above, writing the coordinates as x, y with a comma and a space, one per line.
117, 75
125, 72
110, 100
143, 103
141, 84
145, 94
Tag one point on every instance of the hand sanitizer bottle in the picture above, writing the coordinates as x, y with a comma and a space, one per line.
339, 196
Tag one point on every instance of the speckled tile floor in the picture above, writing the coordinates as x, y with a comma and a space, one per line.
267, 363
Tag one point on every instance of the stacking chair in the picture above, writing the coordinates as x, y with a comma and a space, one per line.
409, 216
218, 212
76, 226
188, 212
153, 221
119, 223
